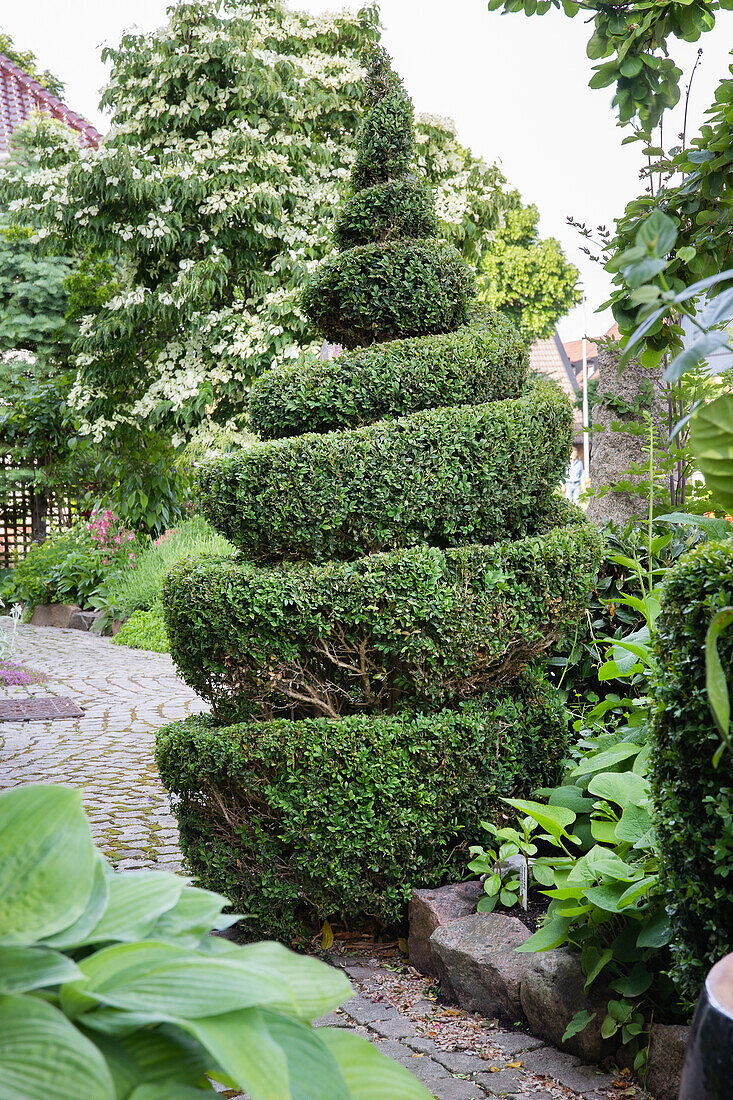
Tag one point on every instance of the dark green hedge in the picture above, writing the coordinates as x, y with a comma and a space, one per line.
399, 209
471, 473
423, 625
694, 801
483, 360
388, 291
296, 822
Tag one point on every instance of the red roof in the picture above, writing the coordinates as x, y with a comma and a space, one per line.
574, 348
21, 95
548, 357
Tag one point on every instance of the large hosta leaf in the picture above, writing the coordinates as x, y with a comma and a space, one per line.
711, 436
47, 862
368, 1073
169, 983
314, 988
240, 1043
137, 900
43, 1055
26, 968
192, 917
77, 932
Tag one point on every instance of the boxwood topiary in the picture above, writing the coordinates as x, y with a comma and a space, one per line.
399, 208
693, 799
394, 483
386, 631
366, 740
483, 360
385, 291
335, 819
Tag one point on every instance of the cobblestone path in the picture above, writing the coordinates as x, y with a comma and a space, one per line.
126, 696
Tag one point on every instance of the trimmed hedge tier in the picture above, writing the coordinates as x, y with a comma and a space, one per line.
422, 626
387, 291
693, 799
468, 473
483, 360
323, 819
401, 208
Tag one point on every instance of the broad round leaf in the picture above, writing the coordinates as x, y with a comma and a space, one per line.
166, 982
711, 436
370, 1074
26, 968
43, 1055
137, 899
194, 915
77, 932
47, 864
241, 1044
314, 988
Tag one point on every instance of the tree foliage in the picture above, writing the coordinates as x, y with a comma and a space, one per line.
526, 277
630, 41
217, 187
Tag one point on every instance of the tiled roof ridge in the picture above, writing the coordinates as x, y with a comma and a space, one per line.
56, 108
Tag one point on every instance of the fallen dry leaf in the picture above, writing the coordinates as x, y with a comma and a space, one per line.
514, 1065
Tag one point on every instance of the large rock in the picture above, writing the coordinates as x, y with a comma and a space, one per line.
553, 990
431, 909
478, 963
83, 620
54, 614
666, 1057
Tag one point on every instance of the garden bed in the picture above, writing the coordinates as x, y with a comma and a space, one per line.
474, 957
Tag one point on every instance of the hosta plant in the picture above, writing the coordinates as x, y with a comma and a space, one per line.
112, 988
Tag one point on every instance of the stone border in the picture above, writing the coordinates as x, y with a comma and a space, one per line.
475, 959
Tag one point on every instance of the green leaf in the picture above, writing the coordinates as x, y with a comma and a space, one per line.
578, 1023
609, 1027
549, 935
47, 865
242, 1043
711, 437
716, 681
655, 934
620, 787
604, 957
368, 1072
192, 917
657, 234
492, 885
136, 900
76, 933
603, 831
636, 826
26, 968
636, 983
554, 819
43, 1055
173, 1091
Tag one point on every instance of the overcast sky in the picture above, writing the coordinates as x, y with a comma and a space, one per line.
515, 87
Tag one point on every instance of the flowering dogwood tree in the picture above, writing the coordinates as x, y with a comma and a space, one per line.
216, 189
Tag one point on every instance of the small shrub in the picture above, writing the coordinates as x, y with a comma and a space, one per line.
313, 819
145, 630
483, 360
73, 566
395, 483
14, 675
141, 588
389, 630
693, 799
114, 989
388, 291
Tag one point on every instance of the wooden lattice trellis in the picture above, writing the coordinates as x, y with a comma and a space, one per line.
27, 514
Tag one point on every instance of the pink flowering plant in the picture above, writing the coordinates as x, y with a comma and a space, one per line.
76, 565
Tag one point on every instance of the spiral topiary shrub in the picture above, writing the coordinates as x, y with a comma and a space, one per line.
403, 560
693, 798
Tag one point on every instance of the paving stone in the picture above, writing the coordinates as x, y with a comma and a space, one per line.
515, 1042
567, 1069
423, 1046
507, 1082
367, 1012
394, 1029
459, 1062
451, 1088
421, 1066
